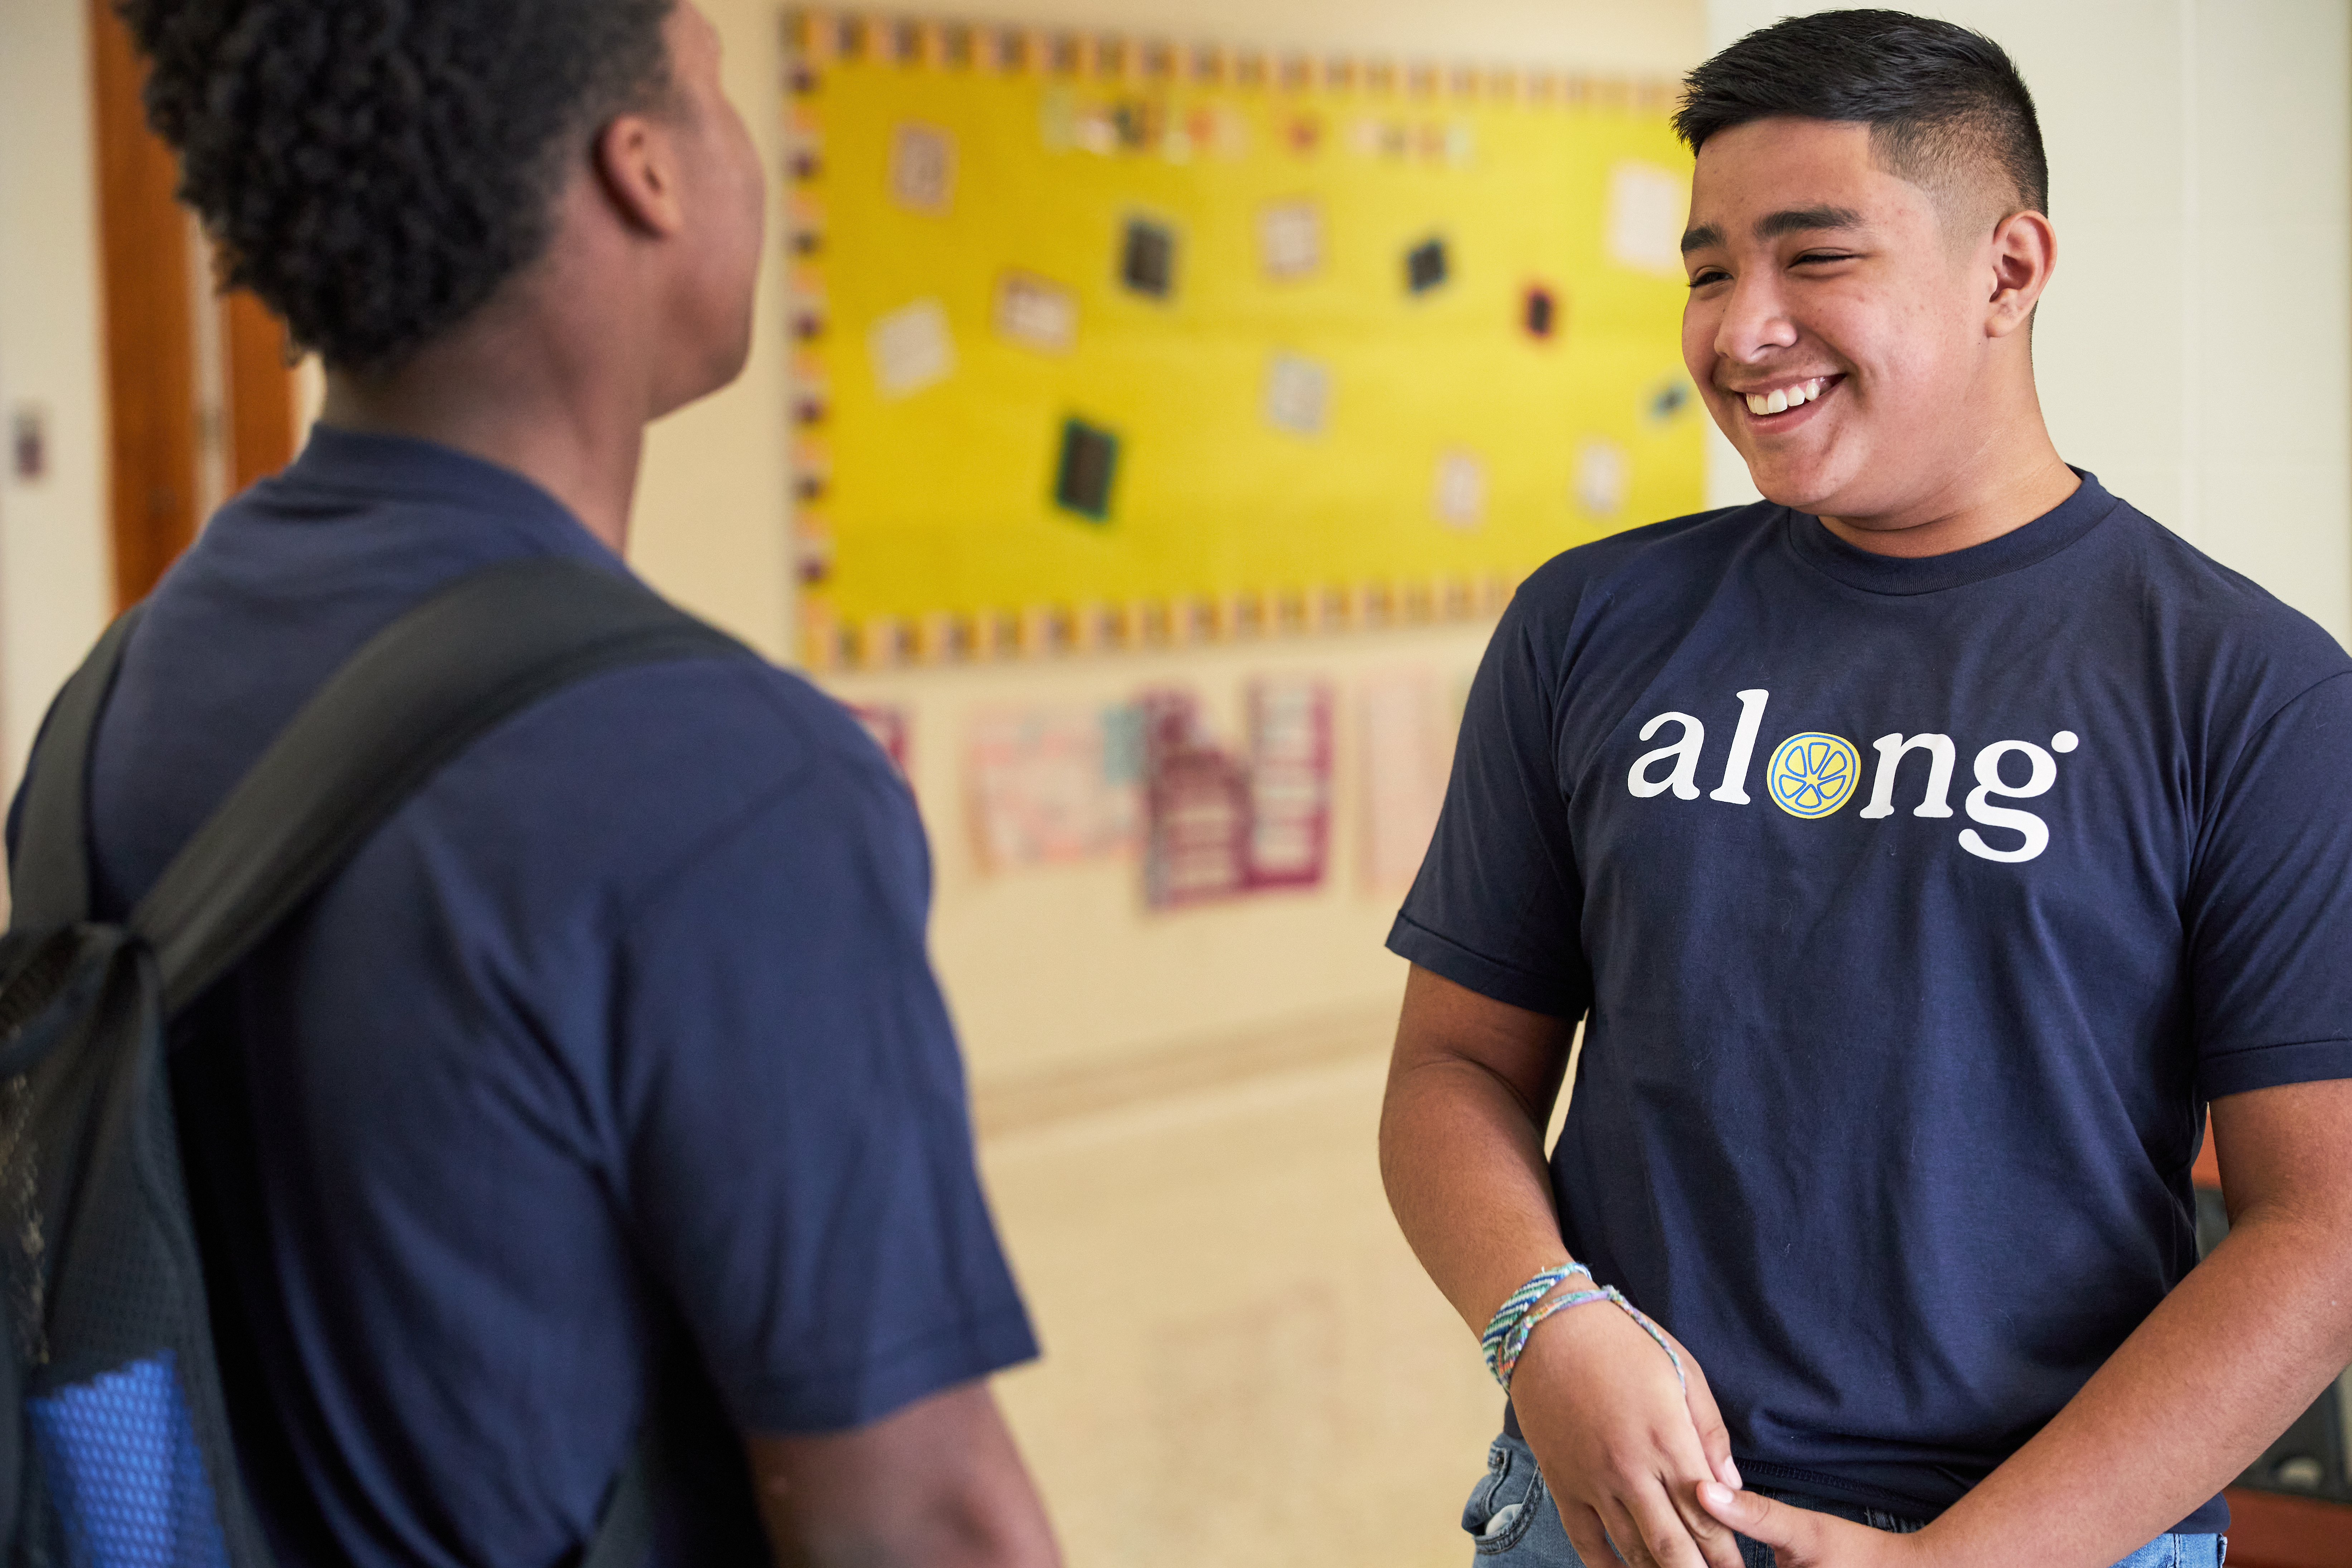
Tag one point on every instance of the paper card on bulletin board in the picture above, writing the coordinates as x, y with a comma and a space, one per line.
1089, 323
1053, 785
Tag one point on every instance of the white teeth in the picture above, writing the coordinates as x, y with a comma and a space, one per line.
1781, 399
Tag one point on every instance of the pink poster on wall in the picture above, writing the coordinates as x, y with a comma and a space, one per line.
1218, 826
1196, 804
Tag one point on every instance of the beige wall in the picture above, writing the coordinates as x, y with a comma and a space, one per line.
55, 587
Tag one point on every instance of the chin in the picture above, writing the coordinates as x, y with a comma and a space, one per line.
1799, 498
732, 366
1798, 492
713, 372
1803, 489
737, 354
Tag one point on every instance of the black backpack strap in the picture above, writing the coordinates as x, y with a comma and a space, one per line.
49, 875
412, 697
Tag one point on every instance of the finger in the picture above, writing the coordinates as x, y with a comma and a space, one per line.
1713, 1540
1625, 1535
1714, 1438
1587, 1535
1788, 1530
1663, 1529
1681, 1468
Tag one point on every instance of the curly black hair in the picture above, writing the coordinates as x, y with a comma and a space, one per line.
373, 170
1942, 102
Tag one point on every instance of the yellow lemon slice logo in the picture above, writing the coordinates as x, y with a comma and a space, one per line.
1812, 775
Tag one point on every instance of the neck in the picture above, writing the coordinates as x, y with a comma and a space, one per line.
2010, 476
524, 388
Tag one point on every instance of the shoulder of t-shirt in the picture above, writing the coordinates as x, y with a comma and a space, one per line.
1641, 570
1669, 546
630, 779
692, 741
753, 726
2215, 613
609, 785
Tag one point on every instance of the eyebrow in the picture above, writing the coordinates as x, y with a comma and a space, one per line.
1772, 225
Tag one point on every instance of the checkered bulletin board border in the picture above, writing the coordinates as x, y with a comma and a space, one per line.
1104, 342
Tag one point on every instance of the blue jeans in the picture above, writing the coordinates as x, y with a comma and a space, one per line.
1515, 1523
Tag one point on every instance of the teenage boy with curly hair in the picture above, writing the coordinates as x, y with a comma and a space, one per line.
610, 1074
1922, 848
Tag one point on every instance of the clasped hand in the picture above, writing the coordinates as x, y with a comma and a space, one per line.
1641, 1464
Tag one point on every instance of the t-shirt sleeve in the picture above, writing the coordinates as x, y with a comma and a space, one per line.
2270, 913
1498, 904
796, 1141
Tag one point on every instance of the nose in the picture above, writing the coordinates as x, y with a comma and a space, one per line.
1755, 319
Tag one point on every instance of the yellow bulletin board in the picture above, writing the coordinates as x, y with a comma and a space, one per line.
1104, 341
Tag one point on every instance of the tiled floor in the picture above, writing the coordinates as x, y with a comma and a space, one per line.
1244, 1364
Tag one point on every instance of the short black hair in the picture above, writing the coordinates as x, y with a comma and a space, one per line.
1941, 101
373, 170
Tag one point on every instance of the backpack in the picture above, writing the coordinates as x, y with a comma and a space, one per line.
115, 1449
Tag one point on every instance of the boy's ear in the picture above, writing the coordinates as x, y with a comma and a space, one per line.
636, 165
2024, 254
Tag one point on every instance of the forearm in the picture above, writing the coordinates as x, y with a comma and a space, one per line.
939, 1484
1462, 1157
962, 1532
2214, 1374
948, 1532
1621, 1438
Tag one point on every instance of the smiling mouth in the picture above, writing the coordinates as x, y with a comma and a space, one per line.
1780, 400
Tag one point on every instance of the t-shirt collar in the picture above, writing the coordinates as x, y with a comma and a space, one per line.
374, 468
2046, 535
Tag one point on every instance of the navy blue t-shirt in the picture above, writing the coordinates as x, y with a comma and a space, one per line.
612, 1066
1914, 909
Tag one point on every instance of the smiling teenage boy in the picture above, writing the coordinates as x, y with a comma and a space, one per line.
1922, 849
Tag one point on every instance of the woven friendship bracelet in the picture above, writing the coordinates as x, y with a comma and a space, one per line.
1516, 1307
1507, 1337
1515, 1343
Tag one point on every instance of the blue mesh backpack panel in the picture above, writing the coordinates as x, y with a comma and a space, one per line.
115, 1450
127, 1480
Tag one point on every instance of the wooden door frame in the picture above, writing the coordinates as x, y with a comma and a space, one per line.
156, 410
